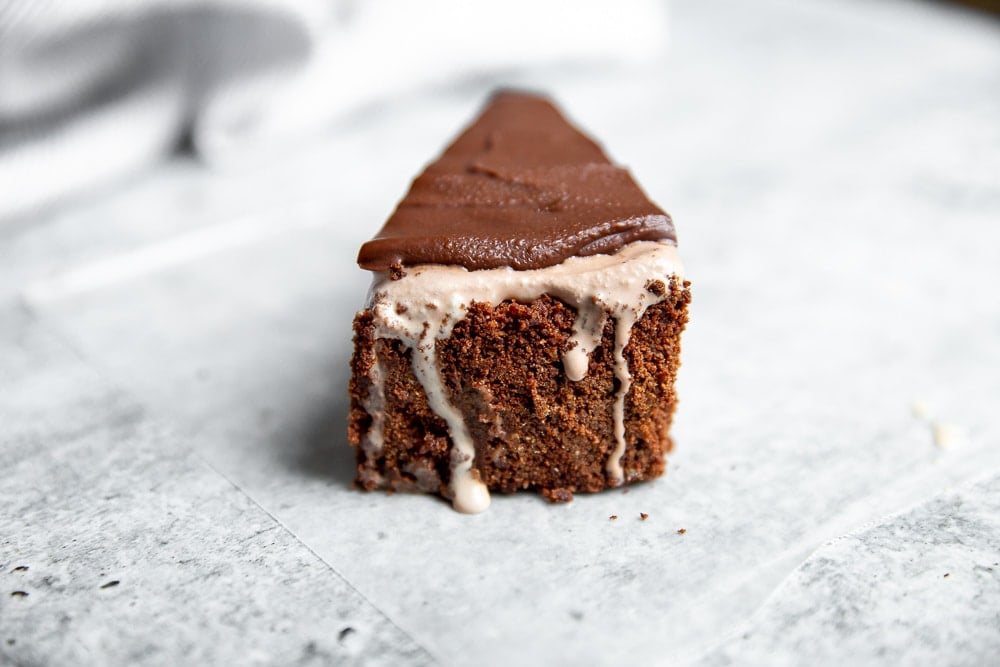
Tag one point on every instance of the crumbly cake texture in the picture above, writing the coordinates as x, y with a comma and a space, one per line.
523, 326
534, 428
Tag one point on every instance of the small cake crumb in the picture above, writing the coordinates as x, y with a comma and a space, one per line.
613, 517
657, 287
396, 271
643, 516
681, 531
946, 435
558, 495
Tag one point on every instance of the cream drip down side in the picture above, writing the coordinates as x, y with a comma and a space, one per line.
421, 308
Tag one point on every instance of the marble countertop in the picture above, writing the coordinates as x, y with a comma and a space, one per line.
174, 474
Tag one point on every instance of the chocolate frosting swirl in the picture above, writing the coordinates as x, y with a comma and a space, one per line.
521, 187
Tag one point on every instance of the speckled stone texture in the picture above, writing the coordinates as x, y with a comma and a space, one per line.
118, 545
174, 359
876, 594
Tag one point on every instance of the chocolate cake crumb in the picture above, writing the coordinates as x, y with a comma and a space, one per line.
643, 516
396, 271
613, 517
558, 495
656, 287
681, 531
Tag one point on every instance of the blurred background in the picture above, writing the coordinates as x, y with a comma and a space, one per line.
183, 188
93, 91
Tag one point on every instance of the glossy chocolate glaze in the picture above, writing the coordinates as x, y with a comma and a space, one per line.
521, 187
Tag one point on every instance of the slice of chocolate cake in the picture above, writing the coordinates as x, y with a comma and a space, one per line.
523, 327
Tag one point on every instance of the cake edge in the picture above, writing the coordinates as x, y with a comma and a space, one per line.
420, 307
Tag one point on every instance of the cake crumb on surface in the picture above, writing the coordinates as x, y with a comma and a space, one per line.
643, 516
920, 409
946, 435
613, 517
681, 531
558, 495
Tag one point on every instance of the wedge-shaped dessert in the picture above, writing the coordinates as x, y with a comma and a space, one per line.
523, 327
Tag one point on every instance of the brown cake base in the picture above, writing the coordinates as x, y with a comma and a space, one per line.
533, 428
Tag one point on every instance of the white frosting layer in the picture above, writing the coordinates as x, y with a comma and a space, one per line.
422, 307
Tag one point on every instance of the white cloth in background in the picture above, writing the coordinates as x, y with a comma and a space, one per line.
91, 90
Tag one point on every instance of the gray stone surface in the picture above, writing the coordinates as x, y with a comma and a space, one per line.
120, 546
832, 168
918, 588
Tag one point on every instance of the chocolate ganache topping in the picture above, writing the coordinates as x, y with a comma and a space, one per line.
521, 187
